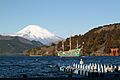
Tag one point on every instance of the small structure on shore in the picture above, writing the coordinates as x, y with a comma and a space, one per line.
114, 52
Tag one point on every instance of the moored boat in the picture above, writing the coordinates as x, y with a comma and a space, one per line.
72, 52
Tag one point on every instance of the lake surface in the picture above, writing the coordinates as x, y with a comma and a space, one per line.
37, 67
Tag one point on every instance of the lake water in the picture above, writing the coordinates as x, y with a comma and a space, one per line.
37, 67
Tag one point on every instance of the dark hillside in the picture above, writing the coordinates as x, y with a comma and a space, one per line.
11, 45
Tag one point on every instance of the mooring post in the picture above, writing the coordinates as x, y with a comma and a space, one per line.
74, 65
78, 66
95, 66
102, 69
83, 67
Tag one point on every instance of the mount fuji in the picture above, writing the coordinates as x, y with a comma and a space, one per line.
37, 33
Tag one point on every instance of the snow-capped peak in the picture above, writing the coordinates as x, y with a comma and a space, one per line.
37, 33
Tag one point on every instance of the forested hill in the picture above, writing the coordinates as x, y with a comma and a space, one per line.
10, 45
97, 41
101, 39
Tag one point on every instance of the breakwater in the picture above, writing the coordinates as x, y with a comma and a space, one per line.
92, 70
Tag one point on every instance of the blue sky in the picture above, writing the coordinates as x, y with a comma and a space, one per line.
63, 17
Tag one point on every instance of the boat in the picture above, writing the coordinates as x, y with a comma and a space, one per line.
72, 52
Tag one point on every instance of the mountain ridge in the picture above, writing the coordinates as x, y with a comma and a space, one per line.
11, 45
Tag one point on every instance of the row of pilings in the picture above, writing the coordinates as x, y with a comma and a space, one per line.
92, 70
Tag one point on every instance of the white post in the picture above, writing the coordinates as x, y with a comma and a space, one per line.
81, 66
102, 69
87, 73
88, 67
95, 66
98, 68
74, 65
105, 68
81, 72
78, 66
111, 68
115, 66
90, 64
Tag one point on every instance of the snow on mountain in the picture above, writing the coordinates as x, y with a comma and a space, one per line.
37, 33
